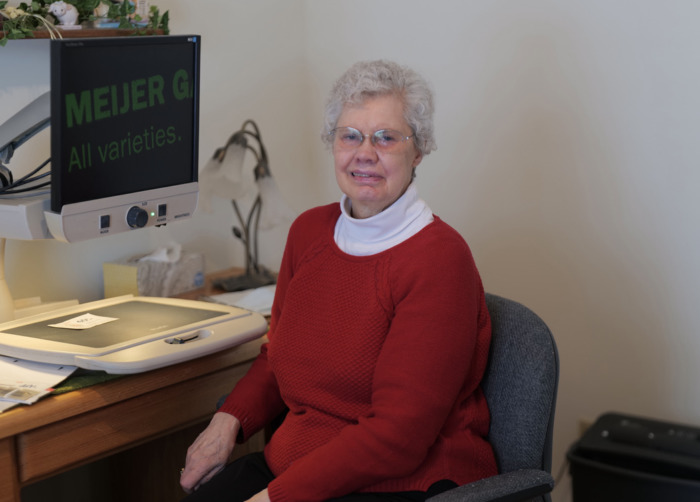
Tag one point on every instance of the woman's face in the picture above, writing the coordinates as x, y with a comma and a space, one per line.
372, 179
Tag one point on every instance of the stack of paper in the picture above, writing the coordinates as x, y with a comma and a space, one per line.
258, 299
25, 382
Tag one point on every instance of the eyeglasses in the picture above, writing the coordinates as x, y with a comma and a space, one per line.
385, 140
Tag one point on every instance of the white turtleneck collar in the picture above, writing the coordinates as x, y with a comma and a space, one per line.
403, 219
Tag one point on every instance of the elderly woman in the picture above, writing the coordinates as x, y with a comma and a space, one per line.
379, 334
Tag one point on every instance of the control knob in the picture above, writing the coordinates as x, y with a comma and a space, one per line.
136, 217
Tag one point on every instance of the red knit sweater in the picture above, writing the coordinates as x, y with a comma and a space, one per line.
378, 359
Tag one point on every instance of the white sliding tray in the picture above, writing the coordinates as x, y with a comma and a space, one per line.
146, 333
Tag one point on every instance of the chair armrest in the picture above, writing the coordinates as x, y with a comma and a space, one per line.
515, 486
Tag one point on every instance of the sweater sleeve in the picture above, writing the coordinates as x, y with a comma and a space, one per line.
422, 374
255, 400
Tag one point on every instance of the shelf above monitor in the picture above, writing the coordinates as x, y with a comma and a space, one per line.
90, 33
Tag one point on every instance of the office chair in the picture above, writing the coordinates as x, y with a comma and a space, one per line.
520, 385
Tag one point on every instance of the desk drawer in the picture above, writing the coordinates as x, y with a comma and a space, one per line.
77, 440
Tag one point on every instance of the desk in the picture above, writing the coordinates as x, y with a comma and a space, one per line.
65, 431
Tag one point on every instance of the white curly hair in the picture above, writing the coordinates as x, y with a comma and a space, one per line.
377, 78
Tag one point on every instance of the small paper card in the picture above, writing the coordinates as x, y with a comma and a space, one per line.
84, 321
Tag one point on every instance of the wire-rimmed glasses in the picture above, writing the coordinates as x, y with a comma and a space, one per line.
385, 140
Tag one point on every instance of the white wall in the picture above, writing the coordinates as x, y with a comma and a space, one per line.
567, 158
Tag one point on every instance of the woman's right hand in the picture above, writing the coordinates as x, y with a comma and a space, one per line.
210, 452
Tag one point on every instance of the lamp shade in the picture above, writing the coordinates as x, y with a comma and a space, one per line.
223, 175
274, 210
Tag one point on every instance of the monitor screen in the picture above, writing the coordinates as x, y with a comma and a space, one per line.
124, 116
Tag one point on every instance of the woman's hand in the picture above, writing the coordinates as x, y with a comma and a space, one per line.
260, 497
210, 452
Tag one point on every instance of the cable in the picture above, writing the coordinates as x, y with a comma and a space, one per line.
24, 178
560, 478
22, 184
5, 175
25, 190
561, 473
20, 196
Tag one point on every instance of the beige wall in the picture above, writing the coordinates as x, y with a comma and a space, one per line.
567, 157
567, 135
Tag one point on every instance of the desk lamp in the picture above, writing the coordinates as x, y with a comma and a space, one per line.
223, 176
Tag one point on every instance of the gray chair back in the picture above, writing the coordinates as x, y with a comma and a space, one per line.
520, 385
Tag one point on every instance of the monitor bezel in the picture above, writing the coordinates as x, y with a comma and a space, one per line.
58, 48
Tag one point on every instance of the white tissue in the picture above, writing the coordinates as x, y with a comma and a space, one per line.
168, 254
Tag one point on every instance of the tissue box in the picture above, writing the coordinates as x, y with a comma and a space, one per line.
147, 277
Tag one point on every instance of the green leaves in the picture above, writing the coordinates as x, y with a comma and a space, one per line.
158, 22
21, 21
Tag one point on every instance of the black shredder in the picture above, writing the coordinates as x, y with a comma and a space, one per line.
626, 458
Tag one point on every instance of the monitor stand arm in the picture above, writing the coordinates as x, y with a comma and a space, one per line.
23, 125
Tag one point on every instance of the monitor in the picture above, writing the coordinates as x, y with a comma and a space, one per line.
124, 133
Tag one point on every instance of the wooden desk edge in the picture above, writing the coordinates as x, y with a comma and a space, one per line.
59, 407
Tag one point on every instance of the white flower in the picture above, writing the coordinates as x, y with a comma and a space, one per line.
14, 12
